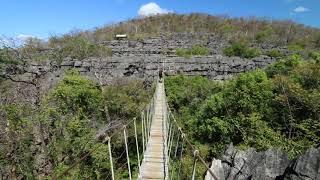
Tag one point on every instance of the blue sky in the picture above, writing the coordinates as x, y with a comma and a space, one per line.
42, 18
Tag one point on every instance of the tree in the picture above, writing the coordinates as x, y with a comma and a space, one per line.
15, 68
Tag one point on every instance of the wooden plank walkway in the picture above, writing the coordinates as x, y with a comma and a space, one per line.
154, 164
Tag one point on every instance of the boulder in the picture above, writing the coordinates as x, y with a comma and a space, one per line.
306, 166
217, 169
250, 164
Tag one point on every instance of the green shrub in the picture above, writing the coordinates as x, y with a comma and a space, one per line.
182, 53
276, 53
199, 50
315, 56
283, 66
78, 48
263, 35
195, 50
124, 100
77, 93
241, 50
297, 46
317, 41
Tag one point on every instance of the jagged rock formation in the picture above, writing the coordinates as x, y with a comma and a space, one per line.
145, 67
166, 44
272, 164
306, 166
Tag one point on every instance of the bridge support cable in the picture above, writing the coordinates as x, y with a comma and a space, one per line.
127, 150
177, 145
137, 144
195, 158
142, 135
147, 123
170, 142
110, 157
180, 157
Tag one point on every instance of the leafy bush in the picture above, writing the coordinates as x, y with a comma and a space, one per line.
275, 53
199, 50
194, 51
317, 40
264, 35
77, 93
126, 99
78, 48
297, 46
284, 66
315, 56
183, 53
242, 50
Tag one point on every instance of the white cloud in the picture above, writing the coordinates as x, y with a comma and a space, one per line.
24, 37
152, 9
301, 9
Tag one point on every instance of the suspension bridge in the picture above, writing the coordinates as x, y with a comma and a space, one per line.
159, 147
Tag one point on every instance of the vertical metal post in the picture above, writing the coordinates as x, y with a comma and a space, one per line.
142, 134
169, 135
177, 145
195, 156
127, 151
170, 143
110, 157
180, 163
150, 116
148, 127
137, 145
145, 127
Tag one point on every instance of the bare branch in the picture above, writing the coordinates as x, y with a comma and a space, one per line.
19, 81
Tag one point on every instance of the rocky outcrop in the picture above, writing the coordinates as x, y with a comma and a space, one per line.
307, 166
216, 67
166, 44
272, 164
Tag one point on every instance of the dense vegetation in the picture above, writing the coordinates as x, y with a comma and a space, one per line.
65, 126
278, 107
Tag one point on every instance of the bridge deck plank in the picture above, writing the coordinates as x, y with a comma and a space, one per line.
154, 162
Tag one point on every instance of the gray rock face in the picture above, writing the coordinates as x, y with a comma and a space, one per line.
217, 170
267, 165
166, 44
307, 166
216, 67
